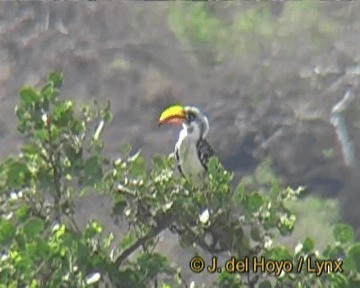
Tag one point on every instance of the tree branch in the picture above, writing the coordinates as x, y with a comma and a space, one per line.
165, 220
56, 173
338, 121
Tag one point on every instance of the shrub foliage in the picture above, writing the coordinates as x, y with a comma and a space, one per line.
61, 159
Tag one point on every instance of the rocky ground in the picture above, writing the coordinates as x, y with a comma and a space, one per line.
273, 100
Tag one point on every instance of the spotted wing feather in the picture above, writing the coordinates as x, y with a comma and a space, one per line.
205, 152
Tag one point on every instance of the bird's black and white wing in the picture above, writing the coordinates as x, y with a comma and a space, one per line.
205, 152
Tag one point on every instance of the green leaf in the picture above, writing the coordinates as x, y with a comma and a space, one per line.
279, 253
56, 78
7, 232
63, 113
28, 95
18, 174
239, 194
137, 165
93, 228
20, 240
45, 177
92, 168
337, 280
41, 134
33, 227
59, 231
82, 253
107, 240
29, 149
265, 284
352, 260
159, 163
22, 212
106, 114
254, 202
275, 189
152, 264
128, 239
33, 250
343, 233
42, 248
47, 90
286, 224
333, 252
230, 280
34, 284
308, 245
270, 218
213, 166
78, 127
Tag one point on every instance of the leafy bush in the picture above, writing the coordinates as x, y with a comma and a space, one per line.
61, 159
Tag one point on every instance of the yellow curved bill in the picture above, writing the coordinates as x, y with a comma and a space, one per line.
173, 115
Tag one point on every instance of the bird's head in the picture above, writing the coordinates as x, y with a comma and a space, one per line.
195, 122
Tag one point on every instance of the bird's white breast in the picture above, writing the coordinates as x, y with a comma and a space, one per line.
188, 158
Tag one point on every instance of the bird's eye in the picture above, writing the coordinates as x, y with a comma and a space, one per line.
190, 116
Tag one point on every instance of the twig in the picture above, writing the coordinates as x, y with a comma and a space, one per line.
73, 222
338, 121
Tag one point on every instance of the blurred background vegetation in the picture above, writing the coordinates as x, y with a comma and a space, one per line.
267, 74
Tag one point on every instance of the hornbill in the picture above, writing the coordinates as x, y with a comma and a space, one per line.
192, 151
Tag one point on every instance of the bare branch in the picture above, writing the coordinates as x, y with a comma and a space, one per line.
338, 121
